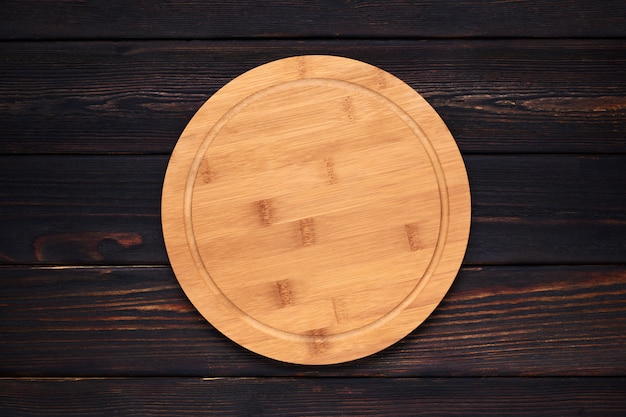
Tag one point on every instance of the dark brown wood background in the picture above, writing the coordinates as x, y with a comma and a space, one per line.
93, 96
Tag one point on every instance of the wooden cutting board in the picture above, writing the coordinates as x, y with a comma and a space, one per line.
316, 209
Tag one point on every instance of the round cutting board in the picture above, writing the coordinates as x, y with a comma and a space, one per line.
316, 209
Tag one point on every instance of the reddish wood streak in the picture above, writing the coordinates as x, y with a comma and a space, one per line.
301, 67
380, 77
85, 242
265, 212
284, 292
205, 173
307, 231
347, 108
318, 342
330, 171
412, 236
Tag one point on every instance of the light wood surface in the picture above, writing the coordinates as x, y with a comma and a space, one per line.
316, 209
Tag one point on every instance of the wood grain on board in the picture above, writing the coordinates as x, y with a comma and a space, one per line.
316, 209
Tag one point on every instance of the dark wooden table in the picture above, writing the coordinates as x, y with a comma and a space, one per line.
93, 96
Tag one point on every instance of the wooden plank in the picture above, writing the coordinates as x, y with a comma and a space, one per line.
68, 209
302, 19
328, 396
557, 96
136, 321
106, 209
547, 209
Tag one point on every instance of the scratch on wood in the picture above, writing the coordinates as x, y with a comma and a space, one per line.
411, 233
265, 212
6, 258
307, 231
284, 292
340, 309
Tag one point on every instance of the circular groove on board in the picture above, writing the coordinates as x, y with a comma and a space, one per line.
316, 209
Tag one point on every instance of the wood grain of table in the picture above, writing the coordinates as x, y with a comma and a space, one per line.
93, 97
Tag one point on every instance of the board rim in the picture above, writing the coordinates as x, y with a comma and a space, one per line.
459, 212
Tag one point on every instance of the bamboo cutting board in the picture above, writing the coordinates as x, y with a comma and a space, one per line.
316, 209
